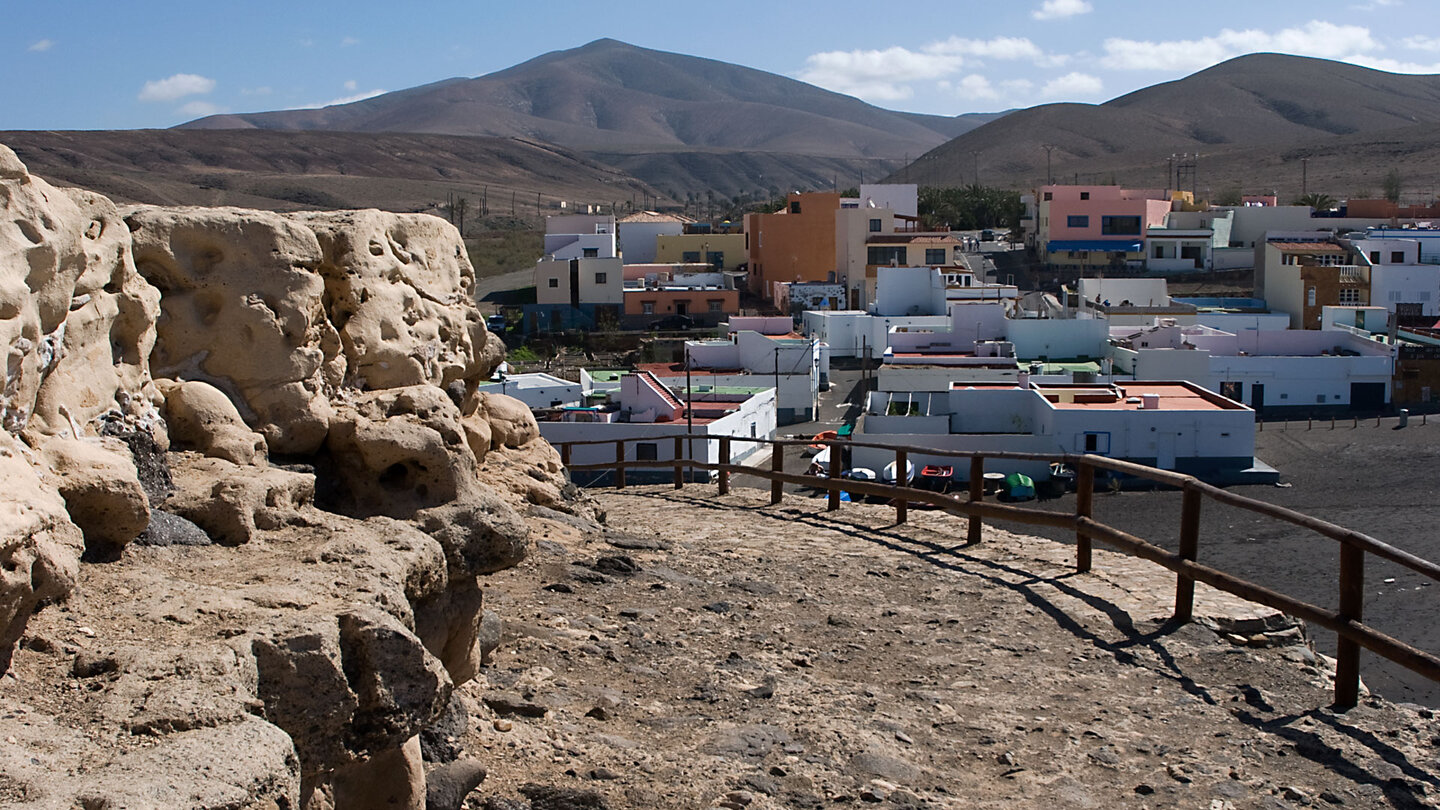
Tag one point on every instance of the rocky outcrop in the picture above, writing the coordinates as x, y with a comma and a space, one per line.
313, 510
242, 308
76, 320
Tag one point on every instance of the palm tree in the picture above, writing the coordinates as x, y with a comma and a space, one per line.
1317, 201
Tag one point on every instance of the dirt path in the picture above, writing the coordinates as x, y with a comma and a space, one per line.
713, 651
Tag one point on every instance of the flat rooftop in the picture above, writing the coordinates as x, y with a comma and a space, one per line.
1173, 396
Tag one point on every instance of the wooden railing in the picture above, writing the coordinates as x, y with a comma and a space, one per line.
1346, 621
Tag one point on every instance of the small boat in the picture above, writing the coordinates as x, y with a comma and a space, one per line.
820, 464
1018, 487
858, 474
823, 436
936, 477
888, 475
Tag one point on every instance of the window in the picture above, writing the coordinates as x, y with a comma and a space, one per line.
1077, 221
715, 305
795, 207
1397, 257
554, 282
589, 253
1159, 251
646, 451
1319, 399
1349, 296
934, 255
1084, 195
874, 226
1310, 297
885, 255
1374, 257
1049, 195
1120, 226
1097, 442
599, 278
715, 258
690, 257
647, 307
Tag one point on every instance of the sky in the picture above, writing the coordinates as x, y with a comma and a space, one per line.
148, 63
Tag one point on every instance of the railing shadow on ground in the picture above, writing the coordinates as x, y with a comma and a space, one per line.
1031, 587
1346, 622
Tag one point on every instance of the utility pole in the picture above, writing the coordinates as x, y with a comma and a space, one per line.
1049, 175
1304, 176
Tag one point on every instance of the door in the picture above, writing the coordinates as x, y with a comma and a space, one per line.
682, 307
1165, 451
1367, 396
1257, 396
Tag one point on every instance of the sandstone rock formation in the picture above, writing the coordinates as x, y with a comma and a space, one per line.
292, 655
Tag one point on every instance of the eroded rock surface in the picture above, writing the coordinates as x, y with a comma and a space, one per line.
304, 594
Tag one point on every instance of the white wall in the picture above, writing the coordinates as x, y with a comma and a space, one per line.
1240, 321
1053, 337
908, 291
1413, 284
1140, 292
536, 390
937, 378
902, 198
572, 246
637, 239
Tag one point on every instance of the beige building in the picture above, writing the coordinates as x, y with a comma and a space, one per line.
723, 251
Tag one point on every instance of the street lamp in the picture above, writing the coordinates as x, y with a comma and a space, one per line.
1049, 175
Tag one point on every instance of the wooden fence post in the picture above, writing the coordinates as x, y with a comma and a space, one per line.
777, 464
977, 493
679, 470
902, 503
620, 459
1084, 501
1189, 548
724, 460
1352, 608
835, 458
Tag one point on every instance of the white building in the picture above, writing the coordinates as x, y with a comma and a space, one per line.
537, 390
1170, 425
580, 282
638, 232
1399, 280
644, 409
580, 236
748, 358
1310, 370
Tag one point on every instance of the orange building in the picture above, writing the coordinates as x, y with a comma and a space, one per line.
796, 244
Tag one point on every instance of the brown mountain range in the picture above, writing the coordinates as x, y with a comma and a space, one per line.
681, 123
1250, 119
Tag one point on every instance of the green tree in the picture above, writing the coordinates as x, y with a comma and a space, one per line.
1317, 201
1390, 186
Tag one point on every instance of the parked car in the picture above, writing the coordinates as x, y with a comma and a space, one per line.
672, 323
496, 323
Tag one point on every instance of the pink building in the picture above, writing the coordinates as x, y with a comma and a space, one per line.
1085, 227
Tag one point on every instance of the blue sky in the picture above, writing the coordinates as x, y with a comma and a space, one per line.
91, 65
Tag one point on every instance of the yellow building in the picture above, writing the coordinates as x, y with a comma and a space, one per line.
723, 251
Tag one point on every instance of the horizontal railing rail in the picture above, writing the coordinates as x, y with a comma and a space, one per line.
1346, 621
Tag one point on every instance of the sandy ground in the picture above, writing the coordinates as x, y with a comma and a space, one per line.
721, 652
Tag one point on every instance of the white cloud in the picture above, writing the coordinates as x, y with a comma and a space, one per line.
886, 75
880, 75
350, 85
42, 45
976, 87
348, 41
1413, 43
1315, 38
1393, 65
996, 48
1059, 9
198, 108
177, 86
1073, 85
